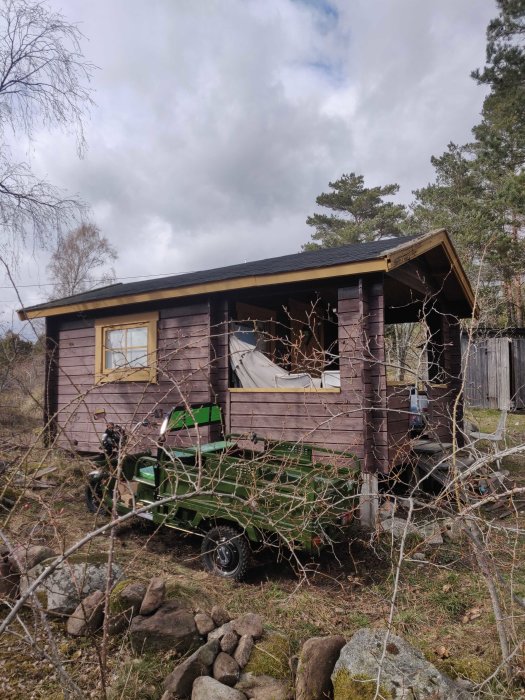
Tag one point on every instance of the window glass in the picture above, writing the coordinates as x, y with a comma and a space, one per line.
115, 339
137, 337
126, 347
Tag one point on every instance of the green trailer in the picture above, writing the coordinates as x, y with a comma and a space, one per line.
236, 492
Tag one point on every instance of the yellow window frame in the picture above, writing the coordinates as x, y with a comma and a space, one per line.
126, 374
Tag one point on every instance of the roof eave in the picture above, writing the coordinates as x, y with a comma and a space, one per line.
389, 260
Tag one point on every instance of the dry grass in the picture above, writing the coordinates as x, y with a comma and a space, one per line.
344, 591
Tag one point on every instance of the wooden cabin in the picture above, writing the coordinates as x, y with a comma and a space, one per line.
314, 324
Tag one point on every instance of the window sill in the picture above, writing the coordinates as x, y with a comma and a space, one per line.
270, 390
148, 375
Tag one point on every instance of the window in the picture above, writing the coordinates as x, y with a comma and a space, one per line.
126, 348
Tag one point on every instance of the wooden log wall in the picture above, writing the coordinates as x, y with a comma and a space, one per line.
183, 353
375, 437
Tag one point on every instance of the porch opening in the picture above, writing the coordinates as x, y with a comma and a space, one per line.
285, 343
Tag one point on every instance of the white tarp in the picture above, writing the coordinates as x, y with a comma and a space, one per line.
255, 370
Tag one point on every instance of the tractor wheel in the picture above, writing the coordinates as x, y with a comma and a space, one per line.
225, 552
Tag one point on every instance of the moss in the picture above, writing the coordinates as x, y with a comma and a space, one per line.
270, 657
474, 668
357, 687
95, 558
189, 592
116, 604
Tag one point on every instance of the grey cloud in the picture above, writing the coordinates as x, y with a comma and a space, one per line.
218, 123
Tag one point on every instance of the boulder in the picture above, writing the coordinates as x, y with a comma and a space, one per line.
88, 617
249, 624
316, 663
244, 650
229, 642
263, 687
226, 669
71, 582
396, 527
180, 681
220, 616
154, 596
25, 557
204, 623
405, 671
170, 627
206, 688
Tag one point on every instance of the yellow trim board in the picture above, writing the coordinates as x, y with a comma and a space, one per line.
394, 258
408, 251
357, 268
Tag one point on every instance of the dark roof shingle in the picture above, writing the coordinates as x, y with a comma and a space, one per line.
324, 257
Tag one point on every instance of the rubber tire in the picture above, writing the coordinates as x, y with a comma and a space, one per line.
93, 497
239, 548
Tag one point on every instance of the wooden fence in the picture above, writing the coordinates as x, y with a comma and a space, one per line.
495, 371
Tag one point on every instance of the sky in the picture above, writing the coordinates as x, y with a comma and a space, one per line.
217, 122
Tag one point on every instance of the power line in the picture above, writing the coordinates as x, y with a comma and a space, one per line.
136, 277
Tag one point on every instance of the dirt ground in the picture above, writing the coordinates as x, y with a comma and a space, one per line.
442, 605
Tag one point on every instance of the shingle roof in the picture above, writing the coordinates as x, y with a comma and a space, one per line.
324, 257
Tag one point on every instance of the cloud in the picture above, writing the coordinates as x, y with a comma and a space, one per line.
218, 122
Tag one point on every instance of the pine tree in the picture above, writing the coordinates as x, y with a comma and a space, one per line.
361, 214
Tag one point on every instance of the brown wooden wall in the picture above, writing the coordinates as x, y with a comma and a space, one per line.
183, 374
193, 362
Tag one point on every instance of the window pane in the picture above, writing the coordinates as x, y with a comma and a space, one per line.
115, 339
115, 359
137, 338
137, 358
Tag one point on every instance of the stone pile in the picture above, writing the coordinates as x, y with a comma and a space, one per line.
219, 654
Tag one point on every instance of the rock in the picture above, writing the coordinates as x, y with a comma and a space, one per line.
229, 642
250, 624
419, 556
431, 533
204, 623
316, 663
170, 627
154, 596
396, 527
226, 669
180, 680
124, 603
243, 651
220, 616
405, 671
206, 688
9, 578
27, 557
71, 582
387, 510
88, 617
263, 687
451, 530
219, 632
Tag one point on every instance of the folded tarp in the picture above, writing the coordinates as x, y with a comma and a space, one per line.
256, 371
